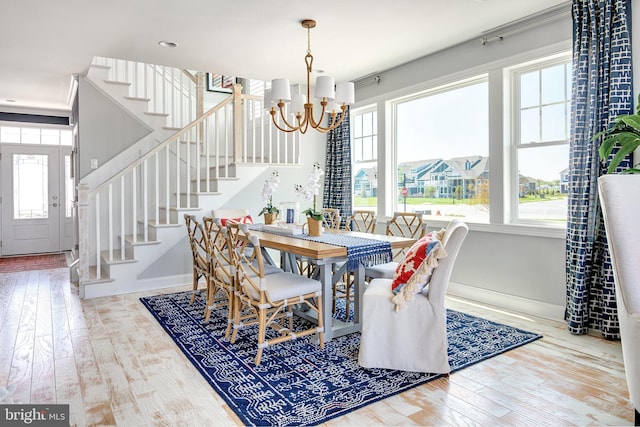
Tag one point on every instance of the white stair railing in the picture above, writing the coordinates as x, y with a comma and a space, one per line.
170, 91
153, 189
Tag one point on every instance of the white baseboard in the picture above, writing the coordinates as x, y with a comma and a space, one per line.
108, 288
510, 302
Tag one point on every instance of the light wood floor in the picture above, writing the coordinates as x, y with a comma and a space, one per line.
111, 361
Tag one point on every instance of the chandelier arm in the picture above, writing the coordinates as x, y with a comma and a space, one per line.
315, 124
284, 130
332, 123
285, 121
273, 113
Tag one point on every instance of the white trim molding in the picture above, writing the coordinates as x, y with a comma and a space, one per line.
510, 302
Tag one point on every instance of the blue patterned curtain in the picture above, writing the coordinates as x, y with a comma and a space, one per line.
337, 179
602, 90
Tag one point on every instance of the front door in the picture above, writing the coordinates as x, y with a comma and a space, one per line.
34, 217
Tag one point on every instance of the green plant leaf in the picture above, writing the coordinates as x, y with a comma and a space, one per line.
620, 138
633, 121
625, 149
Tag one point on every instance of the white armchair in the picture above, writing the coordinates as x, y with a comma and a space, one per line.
414, 339
620, 200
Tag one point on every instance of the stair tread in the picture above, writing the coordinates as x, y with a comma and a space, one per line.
140, 240
153, 223
202, 193
148, 113
98, 281
104, 278
182, 209
136, 98
113, 82
117, 258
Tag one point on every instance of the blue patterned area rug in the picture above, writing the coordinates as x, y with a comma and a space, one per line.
297, 383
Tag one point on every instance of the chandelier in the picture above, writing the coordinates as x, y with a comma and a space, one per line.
333, 98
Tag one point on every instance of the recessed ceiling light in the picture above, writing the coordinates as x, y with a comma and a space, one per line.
165, 43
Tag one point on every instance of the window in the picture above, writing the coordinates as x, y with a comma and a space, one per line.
35, 135
541, 111
364, 147
442, 151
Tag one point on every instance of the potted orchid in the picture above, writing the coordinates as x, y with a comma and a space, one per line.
270, 186
310, 192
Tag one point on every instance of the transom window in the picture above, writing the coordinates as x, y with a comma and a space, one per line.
35, 135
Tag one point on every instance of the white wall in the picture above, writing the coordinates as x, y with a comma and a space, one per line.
104, 128
312, 149
503, 265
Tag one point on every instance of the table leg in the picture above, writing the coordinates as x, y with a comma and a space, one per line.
326, 278
358, 291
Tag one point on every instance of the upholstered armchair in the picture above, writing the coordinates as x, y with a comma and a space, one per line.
620, 200
414, 338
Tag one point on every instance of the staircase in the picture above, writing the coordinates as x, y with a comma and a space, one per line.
131, 210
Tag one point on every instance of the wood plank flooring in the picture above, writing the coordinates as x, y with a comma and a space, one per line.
111, 361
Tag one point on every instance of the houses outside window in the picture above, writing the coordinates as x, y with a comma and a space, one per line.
442, 148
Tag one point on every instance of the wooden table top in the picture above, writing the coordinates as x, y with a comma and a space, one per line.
317, 250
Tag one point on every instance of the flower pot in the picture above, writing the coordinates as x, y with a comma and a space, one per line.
269, 218
314, 226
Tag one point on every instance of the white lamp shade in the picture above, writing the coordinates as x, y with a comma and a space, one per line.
325, 87
280, 90
345, 93
297, 104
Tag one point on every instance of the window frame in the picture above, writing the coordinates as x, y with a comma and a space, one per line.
456, 82
512, 74
361, 111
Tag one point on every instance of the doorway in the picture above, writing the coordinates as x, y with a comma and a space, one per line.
36, 199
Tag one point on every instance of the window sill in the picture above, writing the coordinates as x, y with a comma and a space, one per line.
558, 232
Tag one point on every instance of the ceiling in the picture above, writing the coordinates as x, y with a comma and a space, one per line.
43, 43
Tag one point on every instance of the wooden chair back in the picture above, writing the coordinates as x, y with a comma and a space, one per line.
332, 218
361, 220
405, 224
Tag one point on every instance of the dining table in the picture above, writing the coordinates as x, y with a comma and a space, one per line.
333, 248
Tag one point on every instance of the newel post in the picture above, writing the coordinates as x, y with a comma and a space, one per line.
200, 89
83, 235
237, 123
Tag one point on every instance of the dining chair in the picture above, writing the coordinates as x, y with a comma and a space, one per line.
413, 338
268, 300
361, 220
222, 273
332, 218
365, 222
404, 224
240, 215
199, 253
